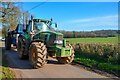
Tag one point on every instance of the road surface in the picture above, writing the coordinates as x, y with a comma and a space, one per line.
23, 69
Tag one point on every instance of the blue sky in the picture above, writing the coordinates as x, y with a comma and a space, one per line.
77, 16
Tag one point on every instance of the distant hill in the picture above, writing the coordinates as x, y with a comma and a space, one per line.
108, 33
97, 33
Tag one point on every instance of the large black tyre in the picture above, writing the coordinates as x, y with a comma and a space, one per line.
8, 43
21, 49
37, 54
67, 60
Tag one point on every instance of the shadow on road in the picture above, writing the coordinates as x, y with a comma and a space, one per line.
3, 61
52, 62
1, 56
17, 63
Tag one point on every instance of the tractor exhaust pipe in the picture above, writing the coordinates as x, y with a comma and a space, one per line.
32, 23
32, 31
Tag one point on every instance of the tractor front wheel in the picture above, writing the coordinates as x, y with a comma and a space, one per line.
67, 60
37, 54
8, 43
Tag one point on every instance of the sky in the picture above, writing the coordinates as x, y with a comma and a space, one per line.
61, 0
77, 16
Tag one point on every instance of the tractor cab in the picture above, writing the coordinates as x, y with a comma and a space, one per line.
39, 25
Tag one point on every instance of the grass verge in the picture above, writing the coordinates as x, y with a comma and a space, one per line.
97, 62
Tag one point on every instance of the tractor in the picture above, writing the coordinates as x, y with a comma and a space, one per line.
40, 40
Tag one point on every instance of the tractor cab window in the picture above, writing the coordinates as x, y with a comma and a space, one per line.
29, 27
20, 27
40, 27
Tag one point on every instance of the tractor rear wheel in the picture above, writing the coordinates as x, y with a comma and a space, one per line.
67, 60
8, 43
21, 49
37, 54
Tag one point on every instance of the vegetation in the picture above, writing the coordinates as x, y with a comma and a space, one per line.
101, 56
7, 73
5, 70
107, 51
100, 53
89, 34
11, 16
97, 62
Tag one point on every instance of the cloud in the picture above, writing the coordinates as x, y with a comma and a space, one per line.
94, 23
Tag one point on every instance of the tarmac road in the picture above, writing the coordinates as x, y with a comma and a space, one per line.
23, 69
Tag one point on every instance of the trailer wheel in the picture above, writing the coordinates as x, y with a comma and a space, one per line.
37, 54
8, 43
21, 49
67, 60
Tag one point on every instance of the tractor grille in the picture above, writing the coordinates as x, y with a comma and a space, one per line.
53, 38
59, 37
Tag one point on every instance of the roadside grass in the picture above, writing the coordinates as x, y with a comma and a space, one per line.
112, 40
7, 73
97, 62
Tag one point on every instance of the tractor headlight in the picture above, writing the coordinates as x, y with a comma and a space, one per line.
58, 41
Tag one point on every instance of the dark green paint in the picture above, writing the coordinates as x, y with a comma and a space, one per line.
45, 36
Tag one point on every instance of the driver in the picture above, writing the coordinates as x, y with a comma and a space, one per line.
36, 28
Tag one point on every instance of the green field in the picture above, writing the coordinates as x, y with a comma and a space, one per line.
113, 40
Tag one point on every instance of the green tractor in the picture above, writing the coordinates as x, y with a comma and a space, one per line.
39, 41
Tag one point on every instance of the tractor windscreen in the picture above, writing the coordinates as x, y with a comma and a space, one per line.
40, 26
